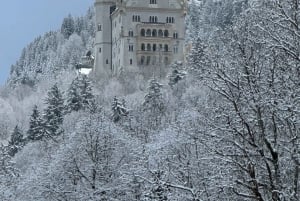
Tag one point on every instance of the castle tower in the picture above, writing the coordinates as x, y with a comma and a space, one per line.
103, 40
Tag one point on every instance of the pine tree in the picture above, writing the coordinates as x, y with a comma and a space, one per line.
68, 26
7, 170
16, 141
74, 99
119, 110
153, 99
86, 93
36, 129
176, 75
198, 58
153, 106
53, 114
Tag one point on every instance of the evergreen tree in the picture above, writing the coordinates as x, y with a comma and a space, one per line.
80, 95
153, 99
7, 170
153, 106
16, 141
176, 75
119, 110
68, 26
36, 129
53, 114
86, 93
198, 58
74, 100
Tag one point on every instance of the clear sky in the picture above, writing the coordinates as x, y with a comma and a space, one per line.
23, 20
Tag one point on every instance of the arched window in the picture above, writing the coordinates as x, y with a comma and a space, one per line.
148, 32
143, 47
142, 60
175, 35
148, 47
166, 48
143, 32
130, 33
154, 60
148, 60
155, 19
160, 33
154, 33
166, 33
154, 47
99, 27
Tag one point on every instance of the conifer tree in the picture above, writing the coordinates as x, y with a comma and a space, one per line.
154, 106
86, 92
36, 129
16, 141
153, 99
176, 74
68, 26
80, 95
74, 100
53, 114
119, 110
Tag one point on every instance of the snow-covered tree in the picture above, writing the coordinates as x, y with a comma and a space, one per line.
16, 141
86, 93
74, 99
54, 113
177, 74
68, 26
36, 127
119, 109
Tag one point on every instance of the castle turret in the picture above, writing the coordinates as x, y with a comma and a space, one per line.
103, 40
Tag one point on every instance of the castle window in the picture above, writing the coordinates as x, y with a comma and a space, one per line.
148, 47
148, 33
143, 32
142, 60
154, 33
175, 49
166, 33
100, 50
148, 60
130, 33
130, 61
106, 61
170, 20
160, 33
153, 2
130, 48
166, 48
143, 47
99, 27
136, 18
154, 47
154, 60
153, 19
175, 35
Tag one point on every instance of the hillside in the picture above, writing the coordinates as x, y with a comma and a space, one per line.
223, 126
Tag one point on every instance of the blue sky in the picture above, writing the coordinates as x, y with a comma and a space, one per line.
23, 20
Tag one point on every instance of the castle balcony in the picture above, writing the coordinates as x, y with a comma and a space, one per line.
86, 62
159, 53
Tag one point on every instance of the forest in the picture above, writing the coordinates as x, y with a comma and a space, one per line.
224, 125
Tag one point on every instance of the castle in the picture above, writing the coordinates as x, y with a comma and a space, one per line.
138, 34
